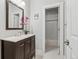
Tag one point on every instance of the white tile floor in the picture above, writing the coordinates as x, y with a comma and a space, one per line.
50, 55
52, 51
53, 54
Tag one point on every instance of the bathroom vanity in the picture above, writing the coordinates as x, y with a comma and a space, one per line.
21, 47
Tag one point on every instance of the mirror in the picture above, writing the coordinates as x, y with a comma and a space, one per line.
14, 15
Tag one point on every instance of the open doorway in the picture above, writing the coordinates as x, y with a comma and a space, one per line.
51, 29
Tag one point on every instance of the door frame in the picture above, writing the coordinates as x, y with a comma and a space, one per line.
61, 16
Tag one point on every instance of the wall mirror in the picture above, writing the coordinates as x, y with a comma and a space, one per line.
14, 14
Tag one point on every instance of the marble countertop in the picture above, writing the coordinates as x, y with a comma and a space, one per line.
16, 38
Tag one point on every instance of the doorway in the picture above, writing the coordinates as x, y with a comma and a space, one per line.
51, 29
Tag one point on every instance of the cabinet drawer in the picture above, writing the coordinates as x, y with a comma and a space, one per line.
27, 41
8, 43
20, 43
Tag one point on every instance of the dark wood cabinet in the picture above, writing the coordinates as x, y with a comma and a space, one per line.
19, 52
24, 49
32, 45
8, 51
27, 48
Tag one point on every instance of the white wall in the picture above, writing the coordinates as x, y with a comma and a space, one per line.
36, 25
27, 13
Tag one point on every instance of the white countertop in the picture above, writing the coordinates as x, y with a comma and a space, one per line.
17, 38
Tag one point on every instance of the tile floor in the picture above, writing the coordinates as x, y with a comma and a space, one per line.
52, 51
53, 54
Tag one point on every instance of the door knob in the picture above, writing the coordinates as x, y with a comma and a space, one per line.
66, 42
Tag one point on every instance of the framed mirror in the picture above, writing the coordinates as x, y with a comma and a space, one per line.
14, 15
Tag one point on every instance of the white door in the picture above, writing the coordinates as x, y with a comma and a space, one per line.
71, 29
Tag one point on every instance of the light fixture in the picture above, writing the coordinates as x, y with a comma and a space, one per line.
23, 3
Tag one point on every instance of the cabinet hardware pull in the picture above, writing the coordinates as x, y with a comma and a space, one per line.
22, 45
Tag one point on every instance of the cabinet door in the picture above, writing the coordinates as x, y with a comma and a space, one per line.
27, 48
33, 45
8, 50
20, 50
